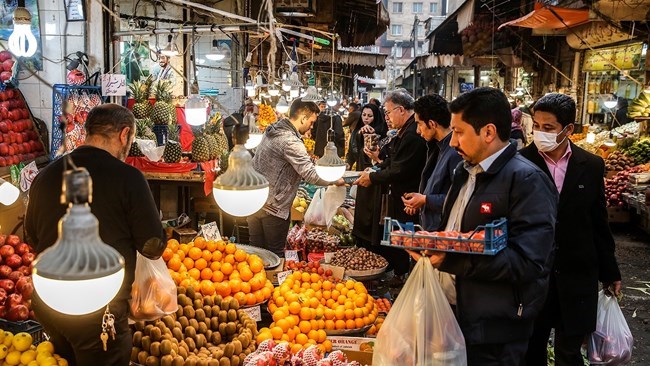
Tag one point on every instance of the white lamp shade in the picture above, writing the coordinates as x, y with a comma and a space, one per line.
22, 41
282, 106
294, 92
195, 116
8, 193
241, 203
254, 140
274, 92
591, 137
286, 87
330, 173
78, 297
609, 104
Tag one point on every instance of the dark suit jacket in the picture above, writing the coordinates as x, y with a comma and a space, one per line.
585, 246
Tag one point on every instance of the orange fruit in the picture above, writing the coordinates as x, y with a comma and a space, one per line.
172, 244
279, 314
207, 288
295, 348
221, 245
316, 286
217, 276
257, 283
184, 248
358, 323
322, 335
314, 277
225, 289
305, 314
229, 259
246, 287
215, 266
226, 268
297, 276
167, 254
174, 264
256, 264
304, 326
235, 285
329, 324
241, 298
339, 324
231, 248
181, 255
335, 295
194, 273
280, 301
200, 264
350, 324
301, 339
235, 274
313, 303
277, 332
250, 299
294, 308
283, 324
259, 296
313, 334
207, 255
263, 335
266, 292
246, 274
188, 263
206, 274
200, 242
211, 246
240, 255
305, 277
328, 345
195, 253
217, 256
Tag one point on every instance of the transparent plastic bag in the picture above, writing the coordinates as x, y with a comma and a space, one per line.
420, 329
153, 294
324, 205
611, 343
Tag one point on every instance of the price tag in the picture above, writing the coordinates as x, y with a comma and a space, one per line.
283, 276
291, 255
27, 176
328, 257
211, 231
114, 85
255, 313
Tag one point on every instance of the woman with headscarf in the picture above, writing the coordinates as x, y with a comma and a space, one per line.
368, 200
516, 131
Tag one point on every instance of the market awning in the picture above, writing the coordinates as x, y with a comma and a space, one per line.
360, 22
550, 17
352, 56
376, 82
432, 61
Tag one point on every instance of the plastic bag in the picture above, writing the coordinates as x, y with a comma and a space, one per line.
611, 343
150, 149
324, 205
153, 294
420, 329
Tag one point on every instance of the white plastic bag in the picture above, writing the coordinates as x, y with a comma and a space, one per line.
324, 205
153, 294
611, 343
150, 149
420, 329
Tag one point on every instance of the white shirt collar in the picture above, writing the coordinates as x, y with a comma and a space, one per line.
487, 162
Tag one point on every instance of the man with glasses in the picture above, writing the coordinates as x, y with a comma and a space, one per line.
584, 244
401, 171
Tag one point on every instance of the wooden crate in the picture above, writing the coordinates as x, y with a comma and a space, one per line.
618, 215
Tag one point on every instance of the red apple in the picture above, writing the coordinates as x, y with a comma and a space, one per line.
7, 285
3, 237
21, 248
14, 261
5, 270
13, 240
15, 275
18, 313
3, 296
6, 250
28, 258
25, 269
15, 299
26, 289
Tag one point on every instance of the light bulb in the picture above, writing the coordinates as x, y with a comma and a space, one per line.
8, 193
609, 104
331, 101
591, 138
22, 42
294, 92
286, 87
196, 111
274, 92
216, 53
330, 167
254, 140
282, 106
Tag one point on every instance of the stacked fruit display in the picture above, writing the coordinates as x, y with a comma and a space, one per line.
305, 307
618, 161
16, 285
640, 107
640, 151
309, 144
271, 353
18, 140
300, 204
218, 267
358, 259
206, 330
266, 116
17, 349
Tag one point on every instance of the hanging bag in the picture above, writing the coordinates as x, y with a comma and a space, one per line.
426, 329
611, 343
153, 294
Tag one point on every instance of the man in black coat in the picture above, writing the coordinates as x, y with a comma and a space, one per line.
585, 247
401, 171
327, 119
499, 296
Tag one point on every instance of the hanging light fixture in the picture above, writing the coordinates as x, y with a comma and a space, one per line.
254, 133
79, 274
331, 101
240, 191
312, 95
282, 107
330, 167
216, 52
293, 82
273, 91
171, 49
250, 88
22, 42
294, 92
196, 110
8, 193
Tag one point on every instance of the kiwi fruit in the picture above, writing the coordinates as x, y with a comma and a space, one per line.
215, 310
213, 362
202, 328
155, 349
222, 329
168, 321
208, 334
188, 311
179, 311
214, 323
200, 341
178, 360
198, 303
234, 361
194, 323
223, 316
216, 338
243, 339
134, 354
199, 315
190, 332
238, 346
224, 361
225, 305
232, 315
191, 345
139, 325
166, 360
152, 361
184, 322
229, 350
182, 351
207, 310
181, 290
137, 339
156, 334
202, 362
142, 357
177, 333
147, 329
165, 347
234, 304
231, 328
189, 292
146, 344
190, 362
208, 300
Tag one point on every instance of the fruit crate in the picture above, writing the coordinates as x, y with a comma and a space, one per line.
413, 237
34, 328
74, 102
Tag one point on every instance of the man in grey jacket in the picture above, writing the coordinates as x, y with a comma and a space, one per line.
283, 159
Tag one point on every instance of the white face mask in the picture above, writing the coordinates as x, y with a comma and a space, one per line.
547, 141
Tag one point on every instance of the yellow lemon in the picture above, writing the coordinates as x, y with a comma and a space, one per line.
27, 357
4, 351
13, 358
41, 355
48, 361
33, 363
9, 338
22, 341
46, 346
63, 362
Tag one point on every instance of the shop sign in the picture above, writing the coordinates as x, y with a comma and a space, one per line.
625, 57
211, 231
113, 85
595, 34
291, 255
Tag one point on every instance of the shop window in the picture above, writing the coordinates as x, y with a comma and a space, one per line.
420, 30
398, 52
433, 8
417, 8
397, 7
396, 29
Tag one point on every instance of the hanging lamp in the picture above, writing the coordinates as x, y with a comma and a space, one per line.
282, 107
171, 49
216, 52
22, 42
196, 110
8, 193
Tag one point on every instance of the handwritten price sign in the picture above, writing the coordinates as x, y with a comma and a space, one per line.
114, 85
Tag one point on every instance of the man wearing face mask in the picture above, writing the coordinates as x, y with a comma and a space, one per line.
282, 158
584, 244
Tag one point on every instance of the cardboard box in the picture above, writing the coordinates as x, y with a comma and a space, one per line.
297, 215
618, 215
272, 274
364, 358
362, 344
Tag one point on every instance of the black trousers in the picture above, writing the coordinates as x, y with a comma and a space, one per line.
567, 346
76, 338
268, 231
501, 354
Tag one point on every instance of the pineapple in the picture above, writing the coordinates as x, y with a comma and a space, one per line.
162, 110
215, 128
143, 129
212, 144
140, 91
223, 162
172, 152
135, 150
200, 149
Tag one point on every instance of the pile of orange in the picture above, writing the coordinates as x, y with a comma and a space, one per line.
305, 305
218, 267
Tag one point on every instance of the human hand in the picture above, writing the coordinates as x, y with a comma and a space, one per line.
410, 211
414, 200
613, 288
435, 258
367, 129
364, 180
339, 182
373, 155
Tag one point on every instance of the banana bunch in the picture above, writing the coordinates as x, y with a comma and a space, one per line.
640, 107
309, 144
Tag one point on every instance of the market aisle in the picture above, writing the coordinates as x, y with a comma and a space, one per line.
633, 254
